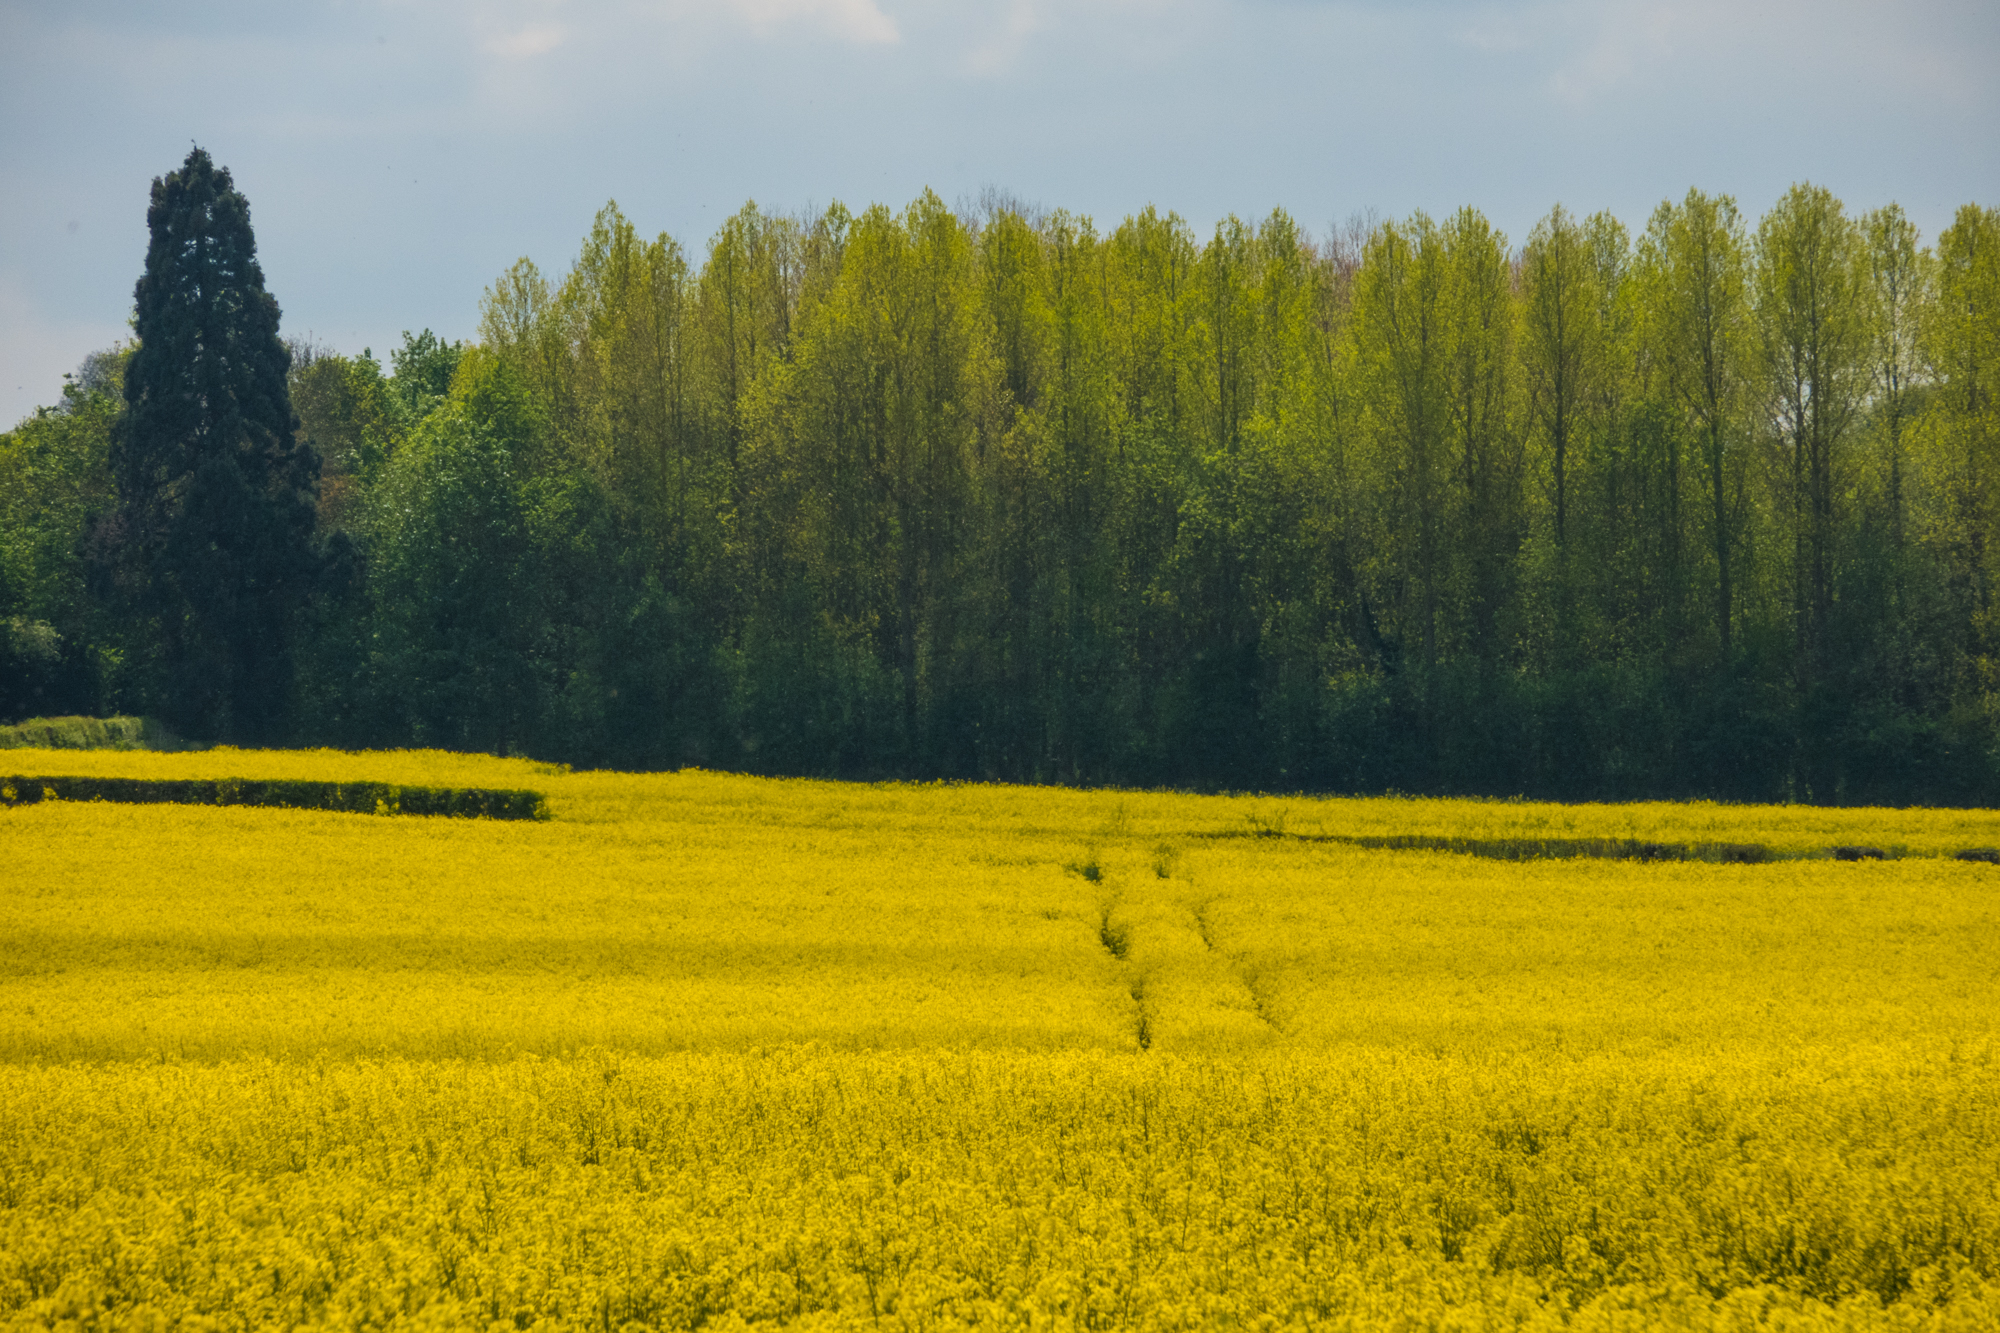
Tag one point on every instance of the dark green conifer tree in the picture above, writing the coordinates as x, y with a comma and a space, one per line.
212, 542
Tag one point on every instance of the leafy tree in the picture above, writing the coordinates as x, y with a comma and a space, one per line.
424, 366
1695, 265
461, 645
1962, 348
1400, 316
1480, 422
1812, 317
1900, 279
1562, 346
746, 299
874, 445
55, 478
350, 417
636, 425
518, 322
210, 548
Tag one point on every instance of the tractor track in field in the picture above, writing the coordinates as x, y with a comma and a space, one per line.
1117, 941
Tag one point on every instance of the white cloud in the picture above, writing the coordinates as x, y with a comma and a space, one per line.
1860, 47
1496, 38
859, 21
997, 56
1629, 42
526, 43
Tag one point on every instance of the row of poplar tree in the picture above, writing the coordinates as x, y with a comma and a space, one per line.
989, 493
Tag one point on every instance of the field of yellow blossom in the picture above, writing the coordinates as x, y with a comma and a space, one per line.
712, 1051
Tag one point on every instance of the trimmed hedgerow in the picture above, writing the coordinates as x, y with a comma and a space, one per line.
379, 798
91, 733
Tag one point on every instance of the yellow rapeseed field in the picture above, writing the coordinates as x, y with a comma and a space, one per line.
710, 1051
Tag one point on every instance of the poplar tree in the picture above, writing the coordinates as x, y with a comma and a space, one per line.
1815, 331
1562, 347
1962, 345
217, 492
1399, 328
1697, 271
1899, 282
1482, 448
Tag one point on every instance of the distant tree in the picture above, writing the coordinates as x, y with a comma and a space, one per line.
633, 419
1814, 332
1400, 321
1482, 443
210, 546
745, 304
351, 417
1962, 347
1899, 279
454, 572
54, 477
1562, 345
1696, 266
424, 365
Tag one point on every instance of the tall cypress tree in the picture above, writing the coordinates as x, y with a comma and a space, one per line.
217, 493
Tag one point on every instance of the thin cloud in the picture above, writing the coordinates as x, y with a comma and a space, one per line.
1496, 39
526, 43
1629, 42
859, 21
998, 55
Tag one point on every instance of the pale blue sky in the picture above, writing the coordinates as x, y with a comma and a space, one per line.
398, 154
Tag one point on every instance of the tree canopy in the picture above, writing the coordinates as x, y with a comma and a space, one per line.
1704, 509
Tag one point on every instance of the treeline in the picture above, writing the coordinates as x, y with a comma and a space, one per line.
1704, 510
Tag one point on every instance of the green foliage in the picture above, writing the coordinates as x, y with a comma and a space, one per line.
1707, 510
424, 366
55, 480
450, 570
90, 733
352, 418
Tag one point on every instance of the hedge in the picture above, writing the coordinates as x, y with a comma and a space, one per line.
368, 798
91, 733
